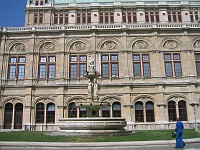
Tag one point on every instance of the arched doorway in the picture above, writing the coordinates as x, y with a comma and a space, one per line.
8, 113
18, 116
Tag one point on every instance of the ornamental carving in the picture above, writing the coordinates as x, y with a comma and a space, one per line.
197, 44
47, 47
18, 47
78, 46
140, 45
109, 45
171, 44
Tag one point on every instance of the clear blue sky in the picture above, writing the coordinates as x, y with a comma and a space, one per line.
12, 13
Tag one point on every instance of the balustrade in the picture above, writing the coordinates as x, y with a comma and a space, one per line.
100, 26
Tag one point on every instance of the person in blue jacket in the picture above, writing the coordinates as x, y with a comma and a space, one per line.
179, 132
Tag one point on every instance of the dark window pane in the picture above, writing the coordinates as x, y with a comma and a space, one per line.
149, 106
146, 69
12, 72
51, 71
182, 110
137, 69
139, 116
197, 56
50, 113
82, 69
115, 70
40, 113
198, 68
105, 58
42, 73
82, 112
177, 69
105, 71
168, 69
172, 110
136, 57
73, 71
72, 110
116, 109
176, 56
106, 112
21, 72
167, 57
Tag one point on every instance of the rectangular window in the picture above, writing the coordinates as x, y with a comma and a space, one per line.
110, 66
197, 61
38, 18
55, 18
35, 18
172, 65
105, 112
17, 67
78, 66
194, 15
36, 3
106, 16
129, 16
152, 16
39, 2
47, 67
174, 16
66, 18
61, 17
83, 17
141, 65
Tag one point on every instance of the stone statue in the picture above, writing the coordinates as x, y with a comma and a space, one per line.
95, 89
90, 88
91, 63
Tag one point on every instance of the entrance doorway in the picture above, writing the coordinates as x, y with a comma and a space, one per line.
18, 116
8, 116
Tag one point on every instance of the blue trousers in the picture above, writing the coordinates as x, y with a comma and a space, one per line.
179, 139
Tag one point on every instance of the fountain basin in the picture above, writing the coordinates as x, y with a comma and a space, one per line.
94, 123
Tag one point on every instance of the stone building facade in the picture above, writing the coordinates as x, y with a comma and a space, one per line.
147, 53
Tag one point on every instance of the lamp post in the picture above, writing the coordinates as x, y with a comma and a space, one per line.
194, 105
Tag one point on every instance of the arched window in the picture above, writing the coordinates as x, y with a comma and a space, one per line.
172, 110
139, 114
18, 116
182, 110
8, 116
72, 110
40, 113
149, 106
106, 111
50, 114
116, 109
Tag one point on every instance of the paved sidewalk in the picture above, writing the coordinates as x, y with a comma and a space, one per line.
94, 144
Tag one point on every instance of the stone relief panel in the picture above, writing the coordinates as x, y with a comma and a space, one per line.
196, 44
78, 46
140, 44
109, 45
47, 46
171, 44
17, 47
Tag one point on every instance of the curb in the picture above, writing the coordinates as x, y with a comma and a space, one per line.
92, 144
